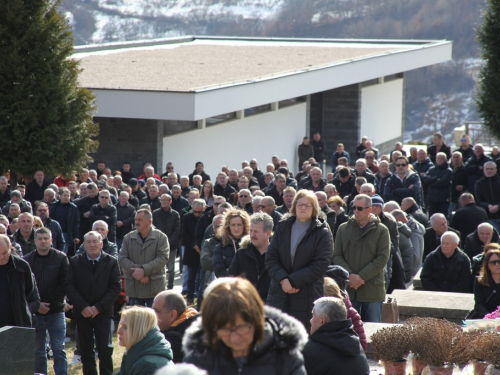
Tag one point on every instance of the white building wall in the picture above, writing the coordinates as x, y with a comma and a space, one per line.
260, 136
382, 111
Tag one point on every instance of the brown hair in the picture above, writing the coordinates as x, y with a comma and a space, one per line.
485, 274
312, 198
332, 289
237, 296
224, 231
338, 200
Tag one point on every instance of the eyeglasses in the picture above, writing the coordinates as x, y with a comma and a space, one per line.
401, 165
359, 208
368, 157
197, 212
463, 140
495, 262
239, 330
304, 205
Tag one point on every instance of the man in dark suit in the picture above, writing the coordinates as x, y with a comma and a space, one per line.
432, 236
92, 286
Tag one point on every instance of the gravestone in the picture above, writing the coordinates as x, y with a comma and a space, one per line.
17, 351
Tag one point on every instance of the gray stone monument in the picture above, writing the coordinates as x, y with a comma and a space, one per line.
17, 351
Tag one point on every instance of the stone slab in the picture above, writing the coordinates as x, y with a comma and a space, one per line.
417, 283
433, 304
17, 351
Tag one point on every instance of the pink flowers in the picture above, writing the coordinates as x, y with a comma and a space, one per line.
494, 314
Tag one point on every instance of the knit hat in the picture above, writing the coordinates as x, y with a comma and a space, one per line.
377, 200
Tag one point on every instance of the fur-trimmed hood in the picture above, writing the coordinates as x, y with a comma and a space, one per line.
282, 332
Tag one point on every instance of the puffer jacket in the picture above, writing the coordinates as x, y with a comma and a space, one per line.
246, 264
278, 353
148, 355
207, 253
369, 263
312, 257
417, 241
223, 256
406, 248
438, 181
396, 190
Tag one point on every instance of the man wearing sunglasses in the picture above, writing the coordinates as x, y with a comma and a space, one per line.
402, 184
362, 247
447, 269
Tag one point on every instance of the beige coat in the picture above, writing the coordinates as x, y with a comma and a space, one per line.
152, 255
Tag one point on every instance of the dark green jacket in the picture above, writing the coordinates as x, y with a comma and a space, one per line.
148, 355
365, 254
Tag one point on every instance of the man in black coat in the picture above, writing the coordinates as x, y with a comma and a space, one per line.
152, 198
49, 267
200, 172
36, 188
410, 206
432, 236
488, 193
84, 206
93, 284
249, 260
344, 182
222, 188
447, 269
438, 182
477, 240
467, 218
19, 299
168, 221
106, 212
474, 167
125, 214
331, 216
174, 317
319, 149
66, 214
465, 148
438, 146
333, 347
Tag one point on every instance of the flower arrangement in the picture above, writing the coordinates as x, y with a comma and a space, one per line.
486, 347
493, 315
391, 344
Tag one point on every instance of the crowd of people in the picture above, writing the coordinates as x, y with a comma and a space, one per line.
266, 257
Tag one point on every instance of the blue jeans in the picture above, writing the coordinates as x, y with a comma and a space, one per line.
119, 244
147, 302
495, 223
55, 324
369, 311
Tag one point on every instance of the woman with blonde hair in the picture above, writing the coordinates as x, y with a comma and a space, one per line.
237, 334
298, 257
146, 349
235, 225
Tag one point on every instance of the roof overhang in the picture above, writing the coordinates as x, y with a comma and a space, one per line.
396, 56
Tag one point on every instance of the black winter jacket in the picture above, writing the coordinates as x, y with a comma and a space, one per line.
125, 214
431, 240
168, 222
396, 190
100, 289
50, 275
488, 192
85, 205
481, 294
223, 257
466, 220
437, 277
23, 291
474, 170
175, 334
28, 245
432, 151
438, 181
474, 246
191, 257
224, 192
73, 219
278, 353
99, 213
246, 264
459, 177
312, 257
334, 349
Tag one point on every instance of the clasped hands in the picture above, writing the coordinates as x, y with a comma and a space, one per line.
287, 287
90, 312
138, 274
355, 281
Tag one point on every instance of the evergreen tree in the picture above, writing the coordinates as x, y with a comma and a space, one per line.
45, 118
488, 101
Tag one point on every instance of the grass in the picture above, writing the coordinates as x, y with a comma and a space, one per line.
77, 370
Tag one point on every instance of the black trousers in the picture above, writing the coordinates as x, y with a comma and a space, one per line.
101, 328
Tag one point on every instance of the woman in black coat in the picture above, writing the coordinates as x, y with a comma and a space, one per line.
487, 285
235, 225
297, 258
